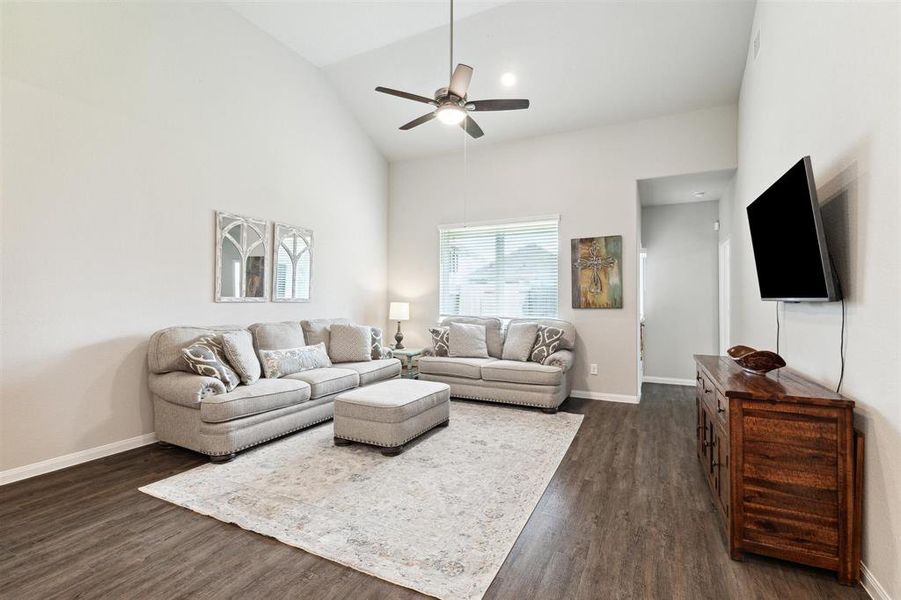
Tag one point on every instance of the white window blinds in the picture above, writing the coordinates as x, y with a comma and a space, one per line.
508, 270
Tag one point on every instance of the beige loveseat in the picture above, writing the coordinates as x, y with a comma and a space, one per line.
545, 385
196, 412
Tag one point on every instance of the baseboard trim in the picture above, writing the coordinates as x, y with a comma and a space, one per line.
668, 380
76, 458
871, 585
604, 396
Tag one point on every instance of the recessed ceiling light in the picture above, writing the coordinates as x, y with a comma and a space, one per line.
508, 79
699, 194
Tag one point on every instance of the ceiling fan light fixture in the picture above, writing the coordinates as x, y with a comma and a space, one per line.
450, 114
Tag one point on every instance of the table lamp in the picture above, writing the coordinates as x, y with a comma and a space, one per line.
399, 311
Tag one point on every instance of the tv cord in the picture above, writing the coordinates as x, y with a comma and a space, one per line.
841, 347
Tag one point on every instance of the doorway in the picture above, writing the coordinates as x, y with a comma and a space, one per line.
683, 275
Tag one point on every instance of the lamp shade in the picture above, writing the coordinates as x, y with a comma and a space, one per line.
399, 311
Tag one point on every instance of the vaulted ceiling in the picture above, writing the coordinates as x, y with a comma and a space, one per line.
581, 64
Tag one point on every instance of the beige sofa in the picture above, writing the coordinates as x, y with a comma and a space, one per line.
196, 412
545, 385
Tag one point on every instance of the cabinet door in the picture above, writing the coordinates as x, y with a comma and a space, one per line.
699, 430
709, 444
721, 469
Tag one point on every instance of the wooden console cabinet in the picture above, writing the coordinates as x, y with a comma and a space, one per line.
784, 465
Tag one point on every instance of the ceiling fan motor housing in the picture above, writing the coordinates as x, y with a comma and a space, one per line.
443, 95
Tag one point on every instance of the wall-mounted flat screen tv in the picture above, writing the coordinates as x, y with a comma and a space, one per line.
790, 251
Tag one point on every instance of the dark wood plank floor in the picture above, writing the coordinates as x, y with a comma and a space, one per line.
626, 516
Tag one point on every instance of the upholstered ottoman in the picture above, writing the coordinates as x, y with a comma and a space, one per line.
391, 413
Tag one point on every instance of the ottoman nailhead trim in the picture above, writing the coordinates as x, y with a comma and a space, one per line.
381, 445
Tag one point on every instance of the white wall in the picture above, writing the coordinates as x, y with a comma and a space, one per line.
680, 287
589, 178
826, 83
124, 128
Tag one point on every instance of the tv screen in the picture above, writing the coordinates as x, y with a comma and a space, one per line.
789, 244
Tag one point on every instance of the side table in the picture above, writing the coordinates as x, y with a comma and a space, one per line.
406, 357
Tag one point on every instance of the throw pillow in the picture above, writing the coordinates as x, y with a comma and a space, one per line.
317, 330
547, 341
467, 341
519, 342
350, 343
206, 357
238, 348
278, 363
378, 345
439, 340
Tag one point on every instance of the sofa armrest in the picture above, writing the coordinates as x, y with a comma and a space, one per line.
186, 389
387, 352
428, 352
561, 358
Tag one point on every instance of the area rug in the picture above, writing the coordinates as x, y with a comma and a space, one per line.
439, 518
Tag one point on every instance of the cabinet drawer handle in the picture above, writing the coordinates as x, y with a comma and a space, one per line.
720, 410
714, 464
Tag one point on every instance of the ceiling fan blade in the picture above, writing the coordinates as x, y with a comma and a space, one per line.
459, 83
482, 105
406, 95
418, 121
471, 127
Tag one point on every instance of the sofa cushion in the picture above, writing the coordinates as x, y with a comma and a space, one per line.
246, 400
277, 336
374, 370
164, 352
494, 335
515, 371
349, 343
207, 357
519, 340
238, 348
317, 330
325, 382
567, 341
470, 368
467, 340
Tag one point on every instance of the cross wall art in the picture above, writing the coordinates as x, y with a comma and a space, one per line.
597, 272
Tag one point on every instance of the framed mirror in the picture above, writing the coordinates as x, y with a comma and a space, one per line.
292, 260
242, 248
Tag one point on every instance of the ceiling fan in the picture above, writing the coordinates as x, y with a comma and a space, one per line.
452, 106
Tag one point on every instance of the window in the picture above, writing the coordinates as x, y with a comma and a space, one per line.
508, 270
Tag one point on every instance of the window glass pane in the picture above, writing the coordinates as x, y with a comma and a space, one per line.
501, 270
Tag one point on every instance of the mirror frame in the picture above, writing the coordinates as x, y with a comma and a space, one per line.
262, 228
281, 231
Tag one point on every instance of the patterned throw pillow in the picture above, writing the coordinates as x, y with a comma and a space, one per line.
547, 341
440, 340
278, 363
349, 343
377, 343
206, 357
